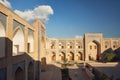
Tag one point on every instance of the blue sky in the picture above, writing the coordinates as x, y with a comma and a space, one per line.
75, 17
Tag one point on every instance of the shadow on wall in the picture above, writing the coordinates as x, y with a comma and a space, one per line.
43, 64
103, 55
108, 72
5, 47
18, 67
2, 46
115, 52
51, 72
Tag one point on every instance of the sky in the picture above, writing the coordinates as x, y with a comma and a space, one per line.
71, 18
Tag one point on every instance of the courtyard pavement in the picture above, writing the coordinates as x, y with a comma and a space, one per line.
110, 69
76, 73
54, 73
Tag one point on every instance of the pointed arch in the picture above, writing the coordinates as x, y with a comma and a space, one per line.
98, 47
94, 50
53, 58
71, 56
19, 74
80, 56
16, 30
62, 56
18, 41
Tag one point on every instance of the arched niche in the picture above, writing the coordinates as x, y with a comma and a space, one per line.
62, 56
94, 50
53, 58
79, 56
18, 41
71, 56
19, 74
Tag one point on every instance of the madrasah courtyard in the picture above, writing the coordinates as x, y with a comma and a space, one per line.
26, 53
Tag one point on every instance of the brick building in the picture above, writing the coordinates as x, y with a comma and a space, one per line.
24, 46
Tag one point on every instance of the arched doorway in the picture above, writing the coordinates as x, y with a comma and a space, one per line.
94, 50
62, 56
18, 41
71, 56
80, 56
53, 56
19, 74
31, 71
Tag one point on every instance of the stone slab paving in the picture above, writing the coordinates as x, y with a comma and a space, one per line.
76, 73
51, 73
54, 73
46, 75
110, 69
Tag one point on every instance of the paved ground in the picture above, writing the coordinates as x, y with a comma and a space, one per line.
51, 73
54, 73
110, 69
76, 73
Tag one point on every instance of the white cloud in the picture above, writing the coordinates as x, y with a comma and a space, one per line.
77, 36
6, 3
40, 12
